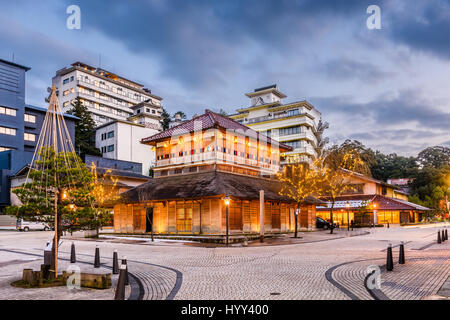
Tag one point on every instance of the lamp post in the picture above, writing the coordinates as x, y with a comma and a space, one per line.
227, 204
347, 205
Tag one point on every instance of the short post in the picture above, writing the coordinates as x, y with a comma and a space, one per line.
388, 225
439, 237
401, 257
120, 289
389, 261
115, 263
124, 262
443, 235
446, 234
73, 257
97, 257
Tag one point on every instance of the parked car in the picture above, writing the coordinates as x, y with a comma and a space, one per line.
323, 224
22, 225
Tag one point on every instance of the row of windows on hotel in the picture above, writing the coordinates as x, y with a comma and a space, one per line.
12, 132
103, 85
96, 117
103, 107
118, 90
13, 112
220, 149
279, 115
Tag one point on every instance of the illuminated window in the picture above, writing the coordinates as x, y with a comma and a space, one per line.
29, 136
8, 111
8, 131
29, 118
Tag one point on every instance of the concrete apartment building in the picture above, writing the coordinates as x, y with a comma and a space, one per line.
297, 124
108, 96
121, 140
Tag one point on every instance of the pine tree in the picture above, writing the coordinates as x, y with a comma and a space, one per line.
165, 119
84, 130
77, 202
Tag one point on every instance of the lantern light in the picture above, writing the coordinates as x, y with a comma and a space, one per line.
227, 200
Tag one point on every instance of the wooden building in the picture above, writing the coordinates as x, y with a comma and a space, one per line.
199, 163
372, 201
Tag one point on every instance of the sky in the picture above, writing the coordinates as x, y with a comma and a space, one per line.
387, 88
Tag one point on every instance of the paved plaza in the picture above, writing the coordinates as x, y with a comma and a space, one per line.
316, 266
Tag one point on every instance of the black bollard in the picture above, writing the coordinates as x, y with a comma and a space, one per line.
73, 257
97, 257
388, 225
120, 289
124, 262
115, 263
439, 237
443, 235
446, 234
389, 261
401, 257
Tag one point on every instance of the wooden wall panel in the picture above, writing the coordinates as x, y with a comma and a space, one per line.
206, 216
246, 217
268, 216
216, 216
195, 217
254, 215
172, 217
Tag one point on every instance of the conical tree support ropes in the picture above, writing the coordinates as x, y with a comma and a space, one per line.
53, 172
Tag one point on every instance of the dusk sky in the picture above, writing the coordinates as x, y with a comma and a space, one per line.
387, 88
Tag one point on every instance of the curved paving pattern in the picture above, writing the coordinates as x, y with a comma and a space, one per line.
420, 277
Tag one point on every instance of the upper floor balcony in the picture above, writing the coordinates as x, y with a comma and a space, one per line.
265, 164
305, 120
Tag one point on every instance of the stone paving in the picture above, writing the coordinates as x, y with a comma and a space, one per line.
319, 266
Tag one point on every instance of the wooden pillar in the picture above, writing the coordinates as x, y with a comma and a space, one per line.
261, 215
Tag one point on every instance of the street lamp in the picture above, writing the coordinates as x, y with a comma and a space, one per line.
227, 200
347, 205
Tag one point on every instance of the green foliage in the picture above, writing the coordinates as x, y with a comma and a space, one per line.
84, 130
335, 157
181, 114
166, 119
77, 207
392, 166
436, 157
151, 172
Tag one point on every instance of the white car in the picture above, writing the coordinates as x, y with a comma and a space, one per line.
22, 225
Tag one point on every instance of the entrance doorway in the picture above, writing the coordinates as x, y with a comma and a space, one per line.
149, 220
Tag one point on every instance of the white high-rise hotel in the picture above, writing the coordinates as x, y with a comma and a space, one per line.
297, 124
108, 96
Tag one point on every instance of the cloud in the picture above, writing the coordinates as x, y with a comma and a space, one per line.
421, 25
350, 69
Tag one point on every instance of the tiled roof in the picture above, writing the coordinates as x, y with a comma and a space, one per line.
122, 173
211, 120
208, 184
382, 203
